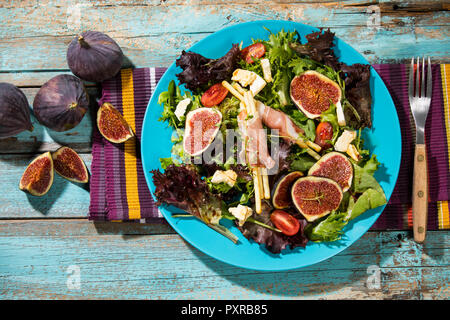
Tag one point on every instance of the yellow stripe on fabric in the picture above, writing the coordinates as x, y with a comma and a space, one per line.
131, 179
443, 216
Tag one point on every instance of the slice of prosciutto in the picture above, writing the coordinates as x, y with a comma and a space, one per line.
254, 141
275, 119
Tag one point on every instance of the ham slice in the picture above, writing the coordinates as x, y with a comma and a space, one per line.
254, 141
275, 119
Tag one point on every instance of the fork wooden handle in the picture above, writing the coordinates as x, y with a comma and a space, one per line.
420, 194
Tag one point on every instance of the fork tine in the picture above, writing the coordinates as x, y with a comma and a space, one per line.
411, 79
417, 77
422, 84
429, 83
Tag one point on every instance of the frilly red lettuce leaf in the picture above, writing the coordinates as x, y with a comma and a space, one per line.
199, 71
183, 187
274, 241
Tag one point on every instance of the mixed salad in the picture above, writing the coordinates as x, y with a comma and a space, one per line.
269, 136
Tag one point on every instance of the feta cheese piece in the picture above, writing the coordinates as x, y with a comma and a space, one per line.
344, 140
265, 64
242, 213
340, 114
244, 77
180, 110
229, 177
257, 85
353, 152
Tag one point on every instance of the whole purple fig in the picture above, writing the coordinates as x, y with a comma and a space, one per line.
94, 56
61, 102
14, 111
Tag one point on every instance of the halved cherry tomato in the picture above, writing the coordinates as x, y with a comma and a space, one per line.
324, 132
214, 95
285, 222
256, 50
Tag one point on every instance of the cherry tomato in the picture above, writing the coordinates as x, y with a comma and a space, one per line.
324, 132
256, 50
214, 95
285, 222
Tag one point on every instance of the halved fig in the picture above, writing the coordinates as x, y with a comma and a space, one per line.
312, 93
335, 166
38, 176
202, 125
315, 197
112, 125
281, 194
69, 165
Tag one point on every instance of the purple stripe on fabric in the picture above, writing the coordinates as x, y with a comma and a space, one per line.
97, 207
389, 219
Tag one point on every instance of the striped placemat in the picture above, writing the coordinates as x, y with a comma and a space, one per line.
119, 191
118, 188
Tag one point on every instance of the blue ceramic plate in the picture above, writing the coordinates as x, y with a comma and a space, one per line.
384, 139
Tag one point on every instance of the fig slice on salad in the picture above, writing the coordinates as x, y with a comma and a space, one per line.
316, 197
202, 125
313, 93
335, 166
281, 194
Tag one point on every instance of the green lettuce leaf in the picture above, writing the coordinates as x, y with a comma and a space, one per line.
329, 229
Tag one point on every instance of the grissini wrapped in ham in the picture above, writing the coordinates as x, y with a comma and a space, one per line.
287, 129
254, 139
275, 119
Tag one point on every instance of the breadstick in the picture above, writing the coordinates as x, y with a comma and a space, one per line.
232, 90
265, 183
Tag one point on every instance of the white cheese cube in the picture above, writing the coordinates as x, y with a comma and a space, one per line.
244, 77
353, 152
340, 114
242, 213
229, 177
180, 110
344, 140
257, 85
265, 64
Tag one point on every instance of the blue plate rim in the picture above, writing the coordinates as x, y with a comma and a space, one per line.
325, 257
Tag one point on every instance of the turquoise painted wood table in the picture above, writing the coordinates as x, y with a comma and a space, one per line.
48, 248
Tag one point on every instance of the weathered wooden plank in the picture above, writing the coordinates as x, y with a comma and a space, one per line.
166, 267
79, 227
64, 199
154, 35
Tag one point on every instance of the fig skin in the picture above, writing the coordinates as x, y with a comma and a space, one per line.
94, 56
329, 196
112, 125
281, 194
14, 111
69, 165
37, 185
344, 168
299, 93
61, 103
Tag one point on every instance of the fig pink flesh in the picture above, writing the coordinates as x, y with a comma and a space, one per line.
112, 125
337, 168
313, 93
203, 127
69, 165
38, 176
314, 197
